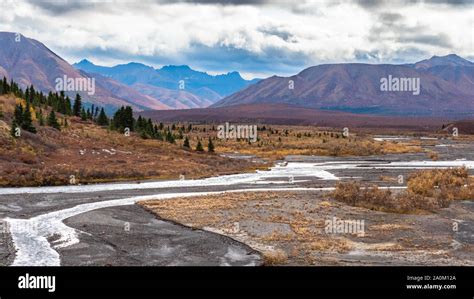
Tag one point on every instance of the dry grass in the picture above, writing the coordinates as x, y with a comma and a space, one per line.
51, 157
268, 212
289, 227
275, 257
427, 190
93, 154
275, 144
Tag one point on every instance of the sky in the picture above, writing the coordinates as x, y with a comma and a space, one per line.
257, 38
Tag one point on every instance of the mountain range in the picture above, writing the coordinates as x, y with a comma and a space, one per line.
178, 87
446, 88
446, 84
28, 61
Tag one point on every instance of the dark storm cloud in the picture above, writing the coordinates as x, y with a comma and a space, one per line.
441, 40
375, 4
271, 60
221, 2
283, 34
392, 26
58, 7
390, 18
451, 2
401, 56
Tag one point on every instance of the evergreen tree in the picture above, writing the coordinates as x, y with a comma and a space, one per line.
186, 142
18, 114
41, 119
68, 110
149, 127
102, 119
123, 118
14, 129
27, 123
5, 86
31, 98
170, 137
52, 120
83, 114
128, 118
180, 134
210, 146
140, 123
199, 147
157, 134
77, 108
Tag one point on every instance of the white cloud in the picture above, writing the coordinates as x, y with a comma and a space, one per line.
254, 39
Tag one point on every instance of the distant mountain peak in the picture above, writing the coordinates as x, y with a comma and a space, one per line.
176, 67
449, 56
450, 59
84, 62
447, 88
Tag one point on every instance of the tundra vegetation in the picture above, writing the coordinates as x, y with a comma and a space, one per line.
44, 137
57, 141
427, 190
290, 227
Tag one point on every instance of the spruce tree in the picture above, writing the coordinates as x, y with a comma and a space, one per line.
52, 121
83, 114
40, 117
102, 119
14, 129
149, 127
77, 108
199, 147
170, 137
210, 146
186, 142
27, 123
18, 114
5, 86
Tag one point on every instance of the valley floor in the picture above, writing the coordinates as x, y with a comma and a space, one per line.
290, 229
279, 212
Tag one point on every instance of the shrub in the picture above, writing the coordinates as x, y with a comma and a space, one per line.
426, 190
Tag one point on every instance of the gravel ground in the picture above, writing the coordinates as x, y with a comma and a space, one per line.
130, 235
25, 206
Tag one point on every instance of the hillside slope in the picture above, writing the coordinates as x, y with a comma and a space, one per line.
189, 88
446, 89
91, 153
29, 62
